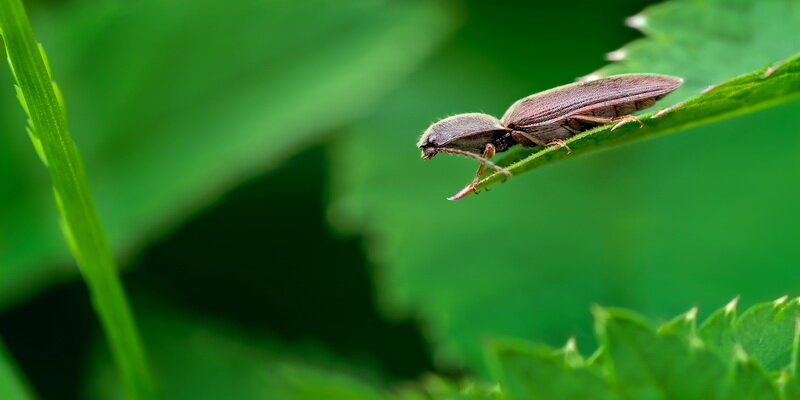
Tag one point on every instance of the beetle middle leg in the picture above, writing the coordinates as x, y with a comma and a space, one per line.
528, 140
621, 120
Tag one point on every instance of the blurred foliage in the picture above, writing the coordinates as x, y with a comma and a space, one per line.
187, 350
198, 94
659, 227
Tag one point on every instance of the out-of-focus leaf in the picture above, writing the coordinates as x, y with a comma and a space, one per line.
661, 226
173, 102
750, 382
197, 359
12, 384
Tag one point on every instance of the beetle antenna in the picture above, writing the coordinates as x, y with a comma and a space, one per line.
475, 156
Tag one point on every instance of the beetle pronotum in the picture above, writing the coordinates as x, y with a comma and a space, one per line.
545, 119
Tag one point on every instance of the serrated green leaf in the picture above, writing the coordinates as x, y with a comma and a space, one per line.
640, 363
767, 333
666, 365
529, 372
718, 331
684, 325
438, 388
750, 382
708, 42
201, 95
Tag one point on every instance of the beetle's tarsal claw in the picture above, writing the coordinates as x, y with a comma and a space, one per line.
463, 192
626, 119
559, 143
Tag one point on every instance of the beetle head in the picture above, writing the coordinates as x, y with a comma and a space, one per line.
463, 133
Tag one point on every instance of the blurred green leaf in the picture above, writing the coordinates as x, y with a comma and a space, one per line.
750, 382
12, 384
176, 101
739, 96
661, 226
200, 359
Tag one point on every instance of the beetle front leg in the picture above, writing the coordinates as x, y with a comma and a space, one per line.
488, 152
622, 120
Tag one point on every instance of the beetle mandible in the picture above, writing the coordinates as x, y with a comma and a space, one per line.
546, 118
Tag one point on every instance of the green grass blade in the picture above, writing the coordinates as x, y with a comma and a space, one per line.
748, 93
48, 130
12, 384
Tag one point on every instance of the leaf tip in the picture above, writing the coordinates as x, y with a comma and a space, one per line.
691, 315
571, 345
739, 354
617, 55
731, 306
780, 301
637, 21
696, 343
591, 77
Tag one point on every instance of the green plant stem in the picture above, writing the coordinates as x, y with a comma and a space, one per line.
80, 224
13, 385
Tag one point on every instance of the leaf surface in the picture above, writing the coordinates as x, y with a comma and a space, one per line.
173, 107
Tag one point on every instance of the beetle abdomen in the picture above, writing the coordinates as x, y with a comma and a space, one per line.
607, 97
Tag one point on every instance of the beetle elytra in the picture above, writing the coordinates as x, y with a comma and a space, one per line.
545, 118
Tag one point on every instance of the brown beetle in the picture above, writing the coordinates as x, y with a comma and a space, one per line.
546, 118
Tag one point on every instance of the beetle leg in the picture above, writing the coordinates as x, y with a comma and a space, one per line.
560, 143
521, 136
487, 153
621, 120
666, 110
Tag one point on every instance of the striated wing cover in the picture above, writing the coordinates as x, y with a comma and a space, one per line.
578, 98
